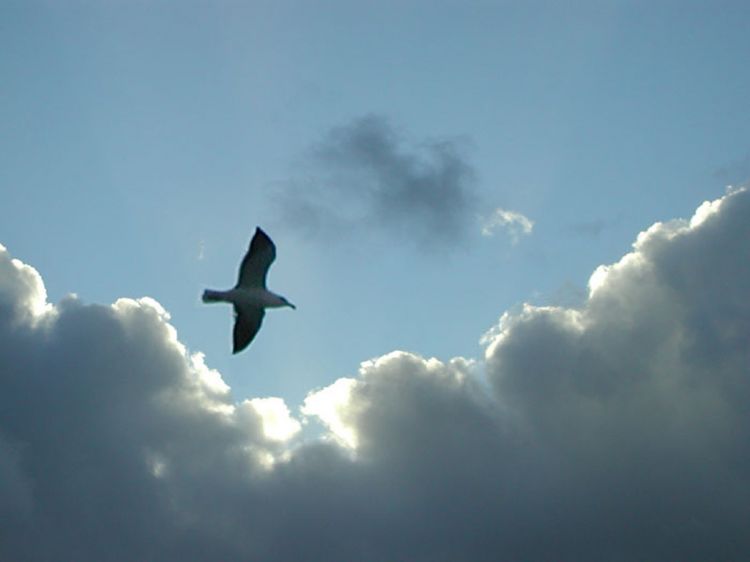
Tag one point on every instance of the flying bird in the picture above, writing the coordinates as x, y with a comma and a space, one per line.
250, 296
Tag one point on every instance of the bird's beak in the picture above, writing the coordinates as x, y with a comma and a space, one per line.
292, 306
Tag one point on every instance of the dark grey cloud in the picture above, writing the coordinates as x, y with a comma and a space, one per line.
616, 431
365, 175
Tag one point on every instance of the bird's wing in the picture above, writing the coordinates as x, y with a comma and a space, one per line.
256, 262
247, 321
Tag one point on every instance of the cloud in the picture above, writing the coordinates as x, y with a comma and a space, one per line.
514, 223
366, 176
614, 431
278, 424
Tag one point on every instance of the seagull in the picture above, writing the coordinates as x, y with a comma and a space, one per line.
250, 296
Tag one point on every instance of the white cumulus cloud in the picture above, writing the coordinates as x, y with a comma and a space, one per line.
616, 431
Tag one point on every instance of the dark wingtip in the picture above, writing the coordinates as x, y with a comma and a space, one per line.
236, 348
260, 237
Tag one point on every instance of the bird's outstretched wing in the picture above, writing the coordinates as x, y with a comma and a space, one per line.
247, 321
256, 262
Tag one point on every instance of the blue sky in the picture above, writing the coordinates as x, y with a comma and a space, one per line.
139, 136
472, 393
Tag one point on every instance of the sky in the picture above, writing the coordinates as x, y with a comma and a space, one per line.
516, 234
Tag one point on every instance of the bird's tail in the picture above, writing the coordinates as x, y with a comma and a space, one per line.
212, 296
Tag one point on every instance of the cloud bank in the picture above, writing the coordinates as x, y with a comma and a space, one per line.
617, 431
366, 177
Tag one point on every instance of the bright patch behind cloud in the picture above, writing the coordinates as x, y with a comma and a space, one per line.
278, 424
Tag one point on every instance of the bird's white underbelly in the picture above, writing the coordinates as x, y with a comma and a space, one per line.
254, 297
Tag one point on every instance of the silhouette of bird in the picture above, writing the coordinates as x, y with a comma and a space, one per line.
250, 296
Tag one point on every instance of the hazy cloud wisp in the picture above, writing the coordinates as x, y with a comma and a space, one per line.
512, 222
